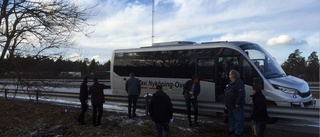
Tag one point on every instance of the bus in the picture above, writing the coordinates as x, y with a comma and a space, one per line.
171, 64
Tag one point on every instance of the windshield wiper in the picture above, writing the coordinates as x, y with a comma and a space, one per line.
274, 75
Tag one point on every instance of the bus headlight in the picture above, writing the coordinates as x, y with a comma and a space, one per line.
286, 90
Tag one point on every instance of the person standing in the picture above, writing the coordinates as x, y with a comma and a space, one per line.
191, 90
133, 89
259, 114
161, 111
83, 97
97, 100
235, 95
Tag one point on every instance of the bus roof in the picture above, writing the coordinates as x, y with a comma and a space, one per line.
184, 45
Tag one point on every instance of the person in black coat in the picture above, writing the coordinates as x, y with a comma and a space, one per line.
97, 100
161, 111
191, 90
83, 97
259, 114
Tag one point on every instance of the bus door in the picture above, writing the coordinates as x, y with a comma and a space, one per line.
225, 64
205, 68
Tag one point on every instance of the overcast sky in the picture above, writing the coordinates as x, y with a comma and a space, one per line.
280, 27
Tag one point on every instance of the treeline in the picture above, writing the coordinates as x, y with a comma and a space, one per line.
44, 67
307, 69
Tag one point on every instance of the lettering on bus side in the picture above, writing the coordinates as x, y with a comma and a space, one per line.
166, 84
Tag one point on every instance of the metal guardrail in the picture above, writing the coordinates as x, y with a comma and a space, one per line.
205, 108
314, 86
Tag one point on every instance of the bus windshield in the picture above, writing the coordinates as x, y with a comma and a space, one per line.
263, 61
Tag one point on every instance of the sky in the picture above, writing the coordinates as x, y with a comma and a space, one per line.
280, 27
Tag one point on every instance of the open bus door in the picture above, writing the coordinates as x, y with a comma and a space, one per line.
224, 65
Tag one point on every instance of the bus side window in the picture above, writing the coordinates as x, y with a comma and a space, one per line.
206, 69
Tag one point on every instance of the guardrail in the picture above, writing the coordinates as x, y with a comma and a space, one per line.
314, 86
205, 107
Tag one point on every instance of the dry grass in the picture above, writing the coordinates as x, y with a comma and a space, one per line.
27, 118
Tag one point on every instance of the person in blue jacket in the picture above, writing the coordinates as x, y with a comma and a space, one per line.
235, 95
133, 89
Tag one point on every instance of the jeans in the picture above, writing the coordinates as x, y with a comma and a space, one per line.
260, 127
132, 99
84, 107
165, 127
236, 120
97, 120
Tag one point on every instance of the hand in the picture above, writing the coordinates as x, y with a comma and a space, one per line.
191, 93
237, 105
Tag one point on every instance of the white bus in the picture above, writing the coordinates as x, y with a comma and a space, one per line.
171, 64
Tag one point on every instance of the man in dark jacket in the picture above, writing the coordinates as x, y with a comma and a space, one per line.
235, 95
191, 90
133, 89
161, 111
83, 96
97, 100
259, 114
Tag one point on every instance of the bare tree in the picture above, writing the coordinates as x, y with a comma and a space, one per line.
32, 27
38, 28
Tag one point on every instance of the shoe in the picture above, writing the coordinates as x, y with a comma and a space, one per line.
225, 120
82, 123
134, 115
190, 125
230, 132
129, 116
100, 126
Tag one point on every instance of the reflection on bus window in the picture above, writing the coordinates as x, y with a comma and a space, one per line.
266, 65
206, 69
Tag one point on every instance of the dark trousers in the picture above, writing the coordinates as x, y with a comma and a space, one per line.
84, 107
165, 127
97, 120
260, 127
195, 109
132, 103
